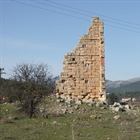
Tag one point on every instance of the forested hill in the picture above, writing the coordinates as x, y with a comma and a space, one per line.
121, 87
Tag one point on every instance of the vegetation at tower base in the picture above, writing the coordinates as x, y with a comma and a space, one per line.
29, 84
112, 98
83, 76
86, 122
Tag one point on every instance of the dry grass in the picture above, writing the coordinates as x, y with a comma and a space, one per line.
78, 125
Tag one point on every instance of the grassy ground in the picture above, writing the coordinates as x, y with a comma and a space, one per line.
86, 123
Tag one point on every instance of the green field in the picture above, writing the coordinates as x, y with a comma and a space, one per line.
85, 123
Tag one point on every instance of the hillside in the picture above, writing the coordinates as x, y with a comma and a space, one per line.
130, 85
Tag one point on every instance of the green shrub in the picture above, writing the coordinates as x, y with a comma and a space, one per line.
111, 98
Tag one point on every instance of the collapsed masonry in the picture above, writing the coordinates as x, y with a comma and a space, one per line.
83, 76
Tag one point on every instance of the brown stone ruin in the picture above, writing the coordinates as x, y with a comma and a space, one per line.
83, 76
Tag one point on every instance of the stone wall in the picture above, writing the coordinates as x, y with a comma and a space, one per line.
83, 76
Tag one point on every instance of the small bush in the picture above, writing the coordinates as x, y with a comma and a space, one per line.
112, 98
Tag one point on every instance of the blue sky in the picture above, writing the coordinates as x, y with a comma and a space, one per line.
46, 31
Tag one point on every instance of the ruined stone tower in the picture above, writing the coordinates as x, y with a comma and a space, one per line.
83, 76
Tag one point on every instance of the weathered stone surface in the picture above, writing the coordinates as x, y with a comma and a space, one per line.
64, 110
76, 107
117, 117
120, 107
127, 107
83, 76
78, 102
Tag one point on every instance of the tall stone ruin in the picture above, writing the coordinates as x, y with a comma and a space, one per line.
83, 76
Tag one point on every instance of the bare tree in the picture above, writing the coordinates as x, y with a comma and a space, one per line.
32, 82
